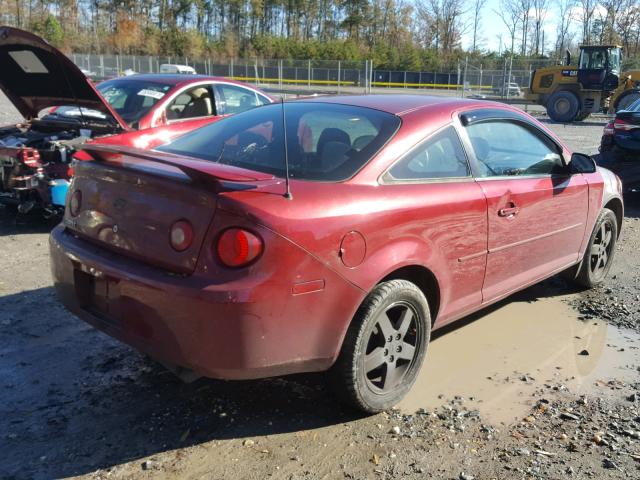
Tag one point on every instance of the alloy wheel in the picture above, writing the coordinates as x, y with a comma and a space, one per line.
600, 252
392, 347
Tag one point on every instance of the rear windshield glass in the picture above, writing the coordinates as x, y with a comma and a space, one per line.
326, 142
634, 107
132, 99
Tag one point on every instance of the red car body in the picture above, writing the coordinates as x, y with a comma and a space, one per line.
466, 243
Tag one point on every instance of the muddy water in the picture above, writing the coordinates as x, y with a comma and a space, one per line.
498, 361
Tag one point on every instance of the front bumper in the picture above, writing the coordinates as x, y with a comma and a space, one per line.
250, 329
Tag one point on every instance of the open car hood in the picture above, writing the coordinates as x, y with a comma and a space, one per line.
35, 76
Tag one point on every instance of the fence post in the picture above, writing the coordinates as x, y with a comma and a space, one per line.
309, 73
480, 82
464, 77
280, 73
255, 72
405, 79
102, 66
338, 76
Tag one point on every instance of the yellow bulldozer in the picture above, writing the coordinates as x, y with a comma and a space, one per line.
596, 84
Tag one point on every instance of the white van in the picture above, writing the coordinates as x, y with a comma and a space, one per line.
170, 68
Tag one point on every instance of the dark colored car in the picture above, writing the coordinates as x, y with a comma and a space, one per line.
140, 110
402, 214
620, 147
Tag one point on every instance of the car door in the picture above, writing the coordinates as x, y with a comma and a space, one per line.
537, 210
449, 213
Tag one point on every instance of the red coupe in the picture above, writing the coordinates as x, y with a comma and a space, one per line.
140, 110
401, 214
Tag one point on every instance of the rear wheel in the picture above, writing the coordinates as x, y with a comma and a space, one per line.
596, 262
626, 99
563, 106
384, 347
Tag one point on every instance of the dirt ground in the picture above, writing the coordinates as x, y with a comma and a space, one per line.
543, 385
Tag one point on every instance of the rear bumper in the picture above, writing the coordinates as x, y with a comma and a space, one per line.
624, 163
251, 329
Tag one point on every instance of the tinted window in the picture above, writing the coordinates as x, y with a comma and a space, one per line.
233, 99
507, 148
634, 107
132, 99
441, 156
325, 141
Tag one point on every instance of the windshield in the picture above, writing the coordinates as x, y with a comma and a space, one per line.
132, 99
326, 142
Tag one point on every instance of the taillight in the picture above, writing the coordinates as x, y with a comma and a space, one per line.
75, 203
608, 129
70, 172
238, 247
30, 157
181, 235
620, 124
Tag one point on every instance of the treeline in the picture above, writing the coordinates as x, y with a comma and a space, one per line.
396, 34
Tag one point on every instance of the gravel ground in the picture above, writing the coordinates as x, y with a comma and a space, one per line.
74, 402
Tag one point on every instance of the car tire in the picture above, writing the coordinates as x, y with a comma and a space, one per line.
597, 259
384, 347
563, 106
626, 99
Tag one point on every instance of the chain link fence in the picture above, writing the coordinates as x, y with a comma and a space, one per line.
323, 75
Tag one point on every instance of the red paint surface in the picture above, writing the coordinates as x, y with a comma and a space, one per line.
272, 317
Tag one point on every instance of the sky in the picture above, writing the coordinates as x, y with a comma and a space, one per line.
491, 27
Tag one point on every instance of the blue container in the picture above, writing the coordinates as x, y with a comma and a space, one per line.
58, 190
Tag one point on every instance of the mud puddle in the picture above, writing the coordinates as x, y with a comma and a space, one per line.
506, 356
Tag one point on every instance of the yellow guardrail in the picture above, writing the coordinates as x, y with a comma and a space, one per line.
293, 81
349, 83
429, 85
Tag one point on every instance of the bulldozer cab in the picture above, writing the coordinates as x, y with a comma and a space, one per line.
599, 67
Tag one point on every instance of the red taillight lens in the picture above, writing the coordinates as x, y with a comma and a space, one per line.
608, 129
30, 157
620, 124
181, 235
238, 247
75, 203
70, 172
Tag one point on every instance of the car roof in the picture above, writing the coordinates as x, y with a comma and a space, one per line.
401, 104
180, 78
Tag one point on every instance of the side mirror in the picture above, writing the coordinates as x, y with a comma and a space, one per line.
582, 163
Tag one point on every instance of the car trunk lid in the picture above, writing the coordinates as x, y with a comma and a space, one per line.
627, 125
130, 199
36, 76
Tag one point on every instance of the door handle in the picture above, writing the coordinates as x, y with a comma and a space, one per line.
509, 211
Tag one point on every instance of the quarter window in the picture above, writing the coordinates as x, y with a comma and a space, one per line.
511, 149
233, 99
441, 156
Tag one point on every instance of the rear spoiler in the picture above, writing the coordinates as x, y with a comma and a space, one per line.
199, 171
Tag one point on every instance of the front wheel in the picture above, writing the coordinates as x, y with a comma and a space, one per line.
563, 106
384, 347
596, 262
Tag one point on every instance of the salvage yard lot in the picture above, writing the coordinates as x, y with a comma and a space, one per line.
510, 393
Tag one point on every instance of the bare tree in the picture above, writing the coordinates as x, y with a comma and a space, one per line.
509, 13
524, 7
540, 12
588, 9
478, 5
565, 18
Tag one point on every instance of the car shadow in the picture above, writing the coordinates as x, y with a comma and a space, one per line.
590, 121
13, 223
73, 400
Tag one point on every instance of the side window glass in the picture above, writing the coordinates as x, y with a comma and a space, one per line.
511, 149
441, 156
233, 99
192, 103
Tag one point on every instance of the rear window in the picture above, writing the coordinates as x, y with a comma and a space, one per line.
326, 142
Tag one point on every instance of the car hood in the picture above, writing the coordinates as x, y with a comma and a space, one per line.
36, 76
